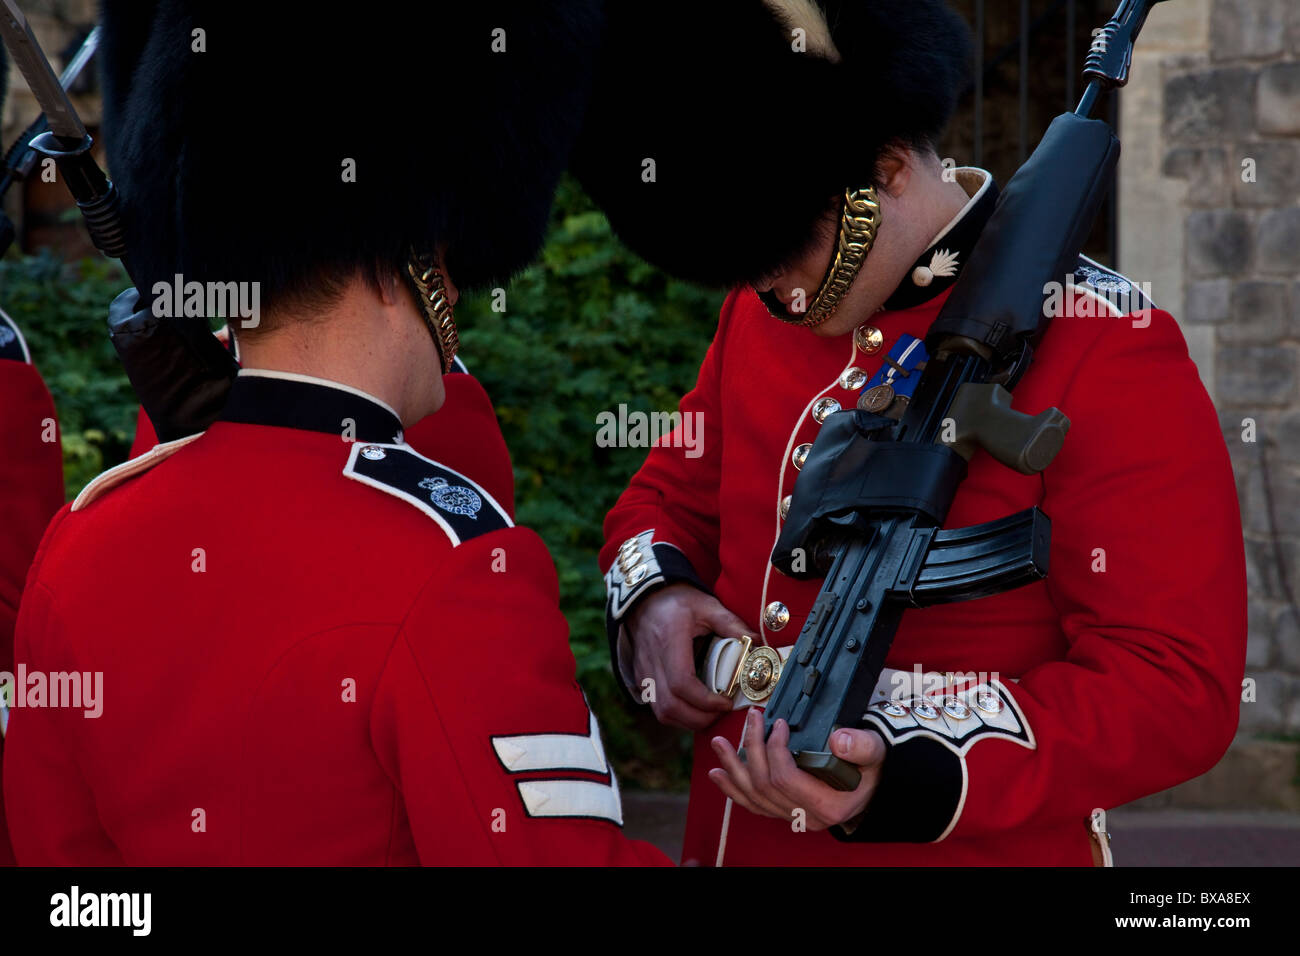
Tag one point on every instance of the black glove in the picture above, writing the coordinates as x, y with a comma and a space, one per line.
178, 368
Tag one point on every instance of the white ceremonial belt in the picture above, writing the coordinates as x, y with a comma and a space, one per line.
747, 672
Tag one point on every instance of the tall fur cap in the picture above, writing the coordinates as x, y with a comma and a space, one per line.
230, 161
751, 140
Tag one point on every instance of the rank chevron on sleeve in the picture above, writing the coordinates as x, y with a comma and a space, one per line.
567, 753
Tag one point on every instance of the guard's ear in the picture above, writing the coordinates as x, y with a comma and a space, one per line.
894, 169
388, 284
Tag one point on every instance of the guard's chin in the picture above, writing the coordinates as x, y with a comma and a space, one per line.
777, 307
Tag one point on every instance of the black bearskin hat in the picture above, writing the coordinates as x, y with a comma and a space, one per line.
279, 142
752, 140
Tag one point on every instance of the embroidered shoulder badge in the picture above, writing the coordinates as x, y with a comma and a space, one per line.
460, 506
456, 499
1127, 296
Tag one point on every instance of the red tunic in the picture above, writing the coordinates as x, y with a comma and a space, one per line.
1123, 668
31, 489
361, 662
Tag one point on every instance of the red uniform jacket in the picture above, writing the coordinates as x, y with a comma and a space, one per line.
31, 489
363, 662
1121, 672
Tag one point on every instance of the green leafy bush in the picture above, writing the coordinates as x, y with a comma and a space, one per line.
61, 309
589, 327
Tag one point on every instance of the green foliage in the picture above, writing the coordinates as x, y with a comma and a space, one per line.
62, 310
588, 327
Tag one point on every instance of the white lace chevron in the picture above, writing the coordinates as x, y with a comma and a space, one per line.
562, 796
573, 798
527, 752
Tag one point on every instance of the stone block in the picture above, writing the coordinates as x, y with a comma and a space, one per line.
1277, 101
1277, 242
1207, 300
1210, 105
1260, 313
1262, 173
1247, 29
1220, 242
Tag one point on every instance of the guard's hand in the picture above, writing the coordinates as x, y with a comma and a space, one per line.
768, 782
663, 628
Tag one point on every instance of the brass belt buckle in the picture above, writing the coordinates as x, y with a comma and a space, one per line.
757, 672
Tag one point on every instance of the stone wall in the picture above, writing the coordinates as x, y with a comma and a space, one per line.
1210, 215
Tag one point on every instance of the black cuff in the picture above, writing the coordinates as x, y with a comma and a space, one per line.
917, 799
641, 567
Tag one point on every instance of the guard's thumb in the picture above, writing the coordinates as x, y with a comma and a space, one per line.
864, 748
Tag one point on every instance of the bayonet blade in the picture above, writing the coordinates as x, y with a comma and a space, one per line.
78, 62
36, 70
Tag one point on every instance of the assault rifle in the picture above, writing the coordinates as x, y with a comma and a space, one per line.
875, 490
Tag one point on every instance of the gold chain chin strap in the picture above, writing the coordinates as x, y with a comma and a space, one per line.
436, 307
859, 220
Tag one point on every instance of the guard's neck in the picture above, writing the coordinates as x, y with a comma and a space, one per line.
381, 348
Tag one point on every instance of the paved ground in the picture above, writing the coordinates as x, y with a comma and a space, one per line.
1138, 837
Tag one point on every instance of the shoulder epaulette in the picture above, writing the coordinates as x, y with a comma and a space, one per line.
118, 474
12, 344
1123, 294
460, 506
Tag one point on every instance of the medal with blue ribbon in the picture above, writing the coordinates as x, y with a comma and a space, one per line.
897, 378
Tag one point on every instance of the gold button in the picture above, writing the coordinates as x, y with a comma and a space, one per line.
824, 409
853, 378
637, 575
785, 507
630, 561
629, 545
800, 455
776, 616
869, 339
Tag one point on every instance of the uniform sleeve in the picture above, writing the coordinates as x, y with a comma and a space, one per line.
51, 810
31, 491
482, 727
664, 527
1148, 575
